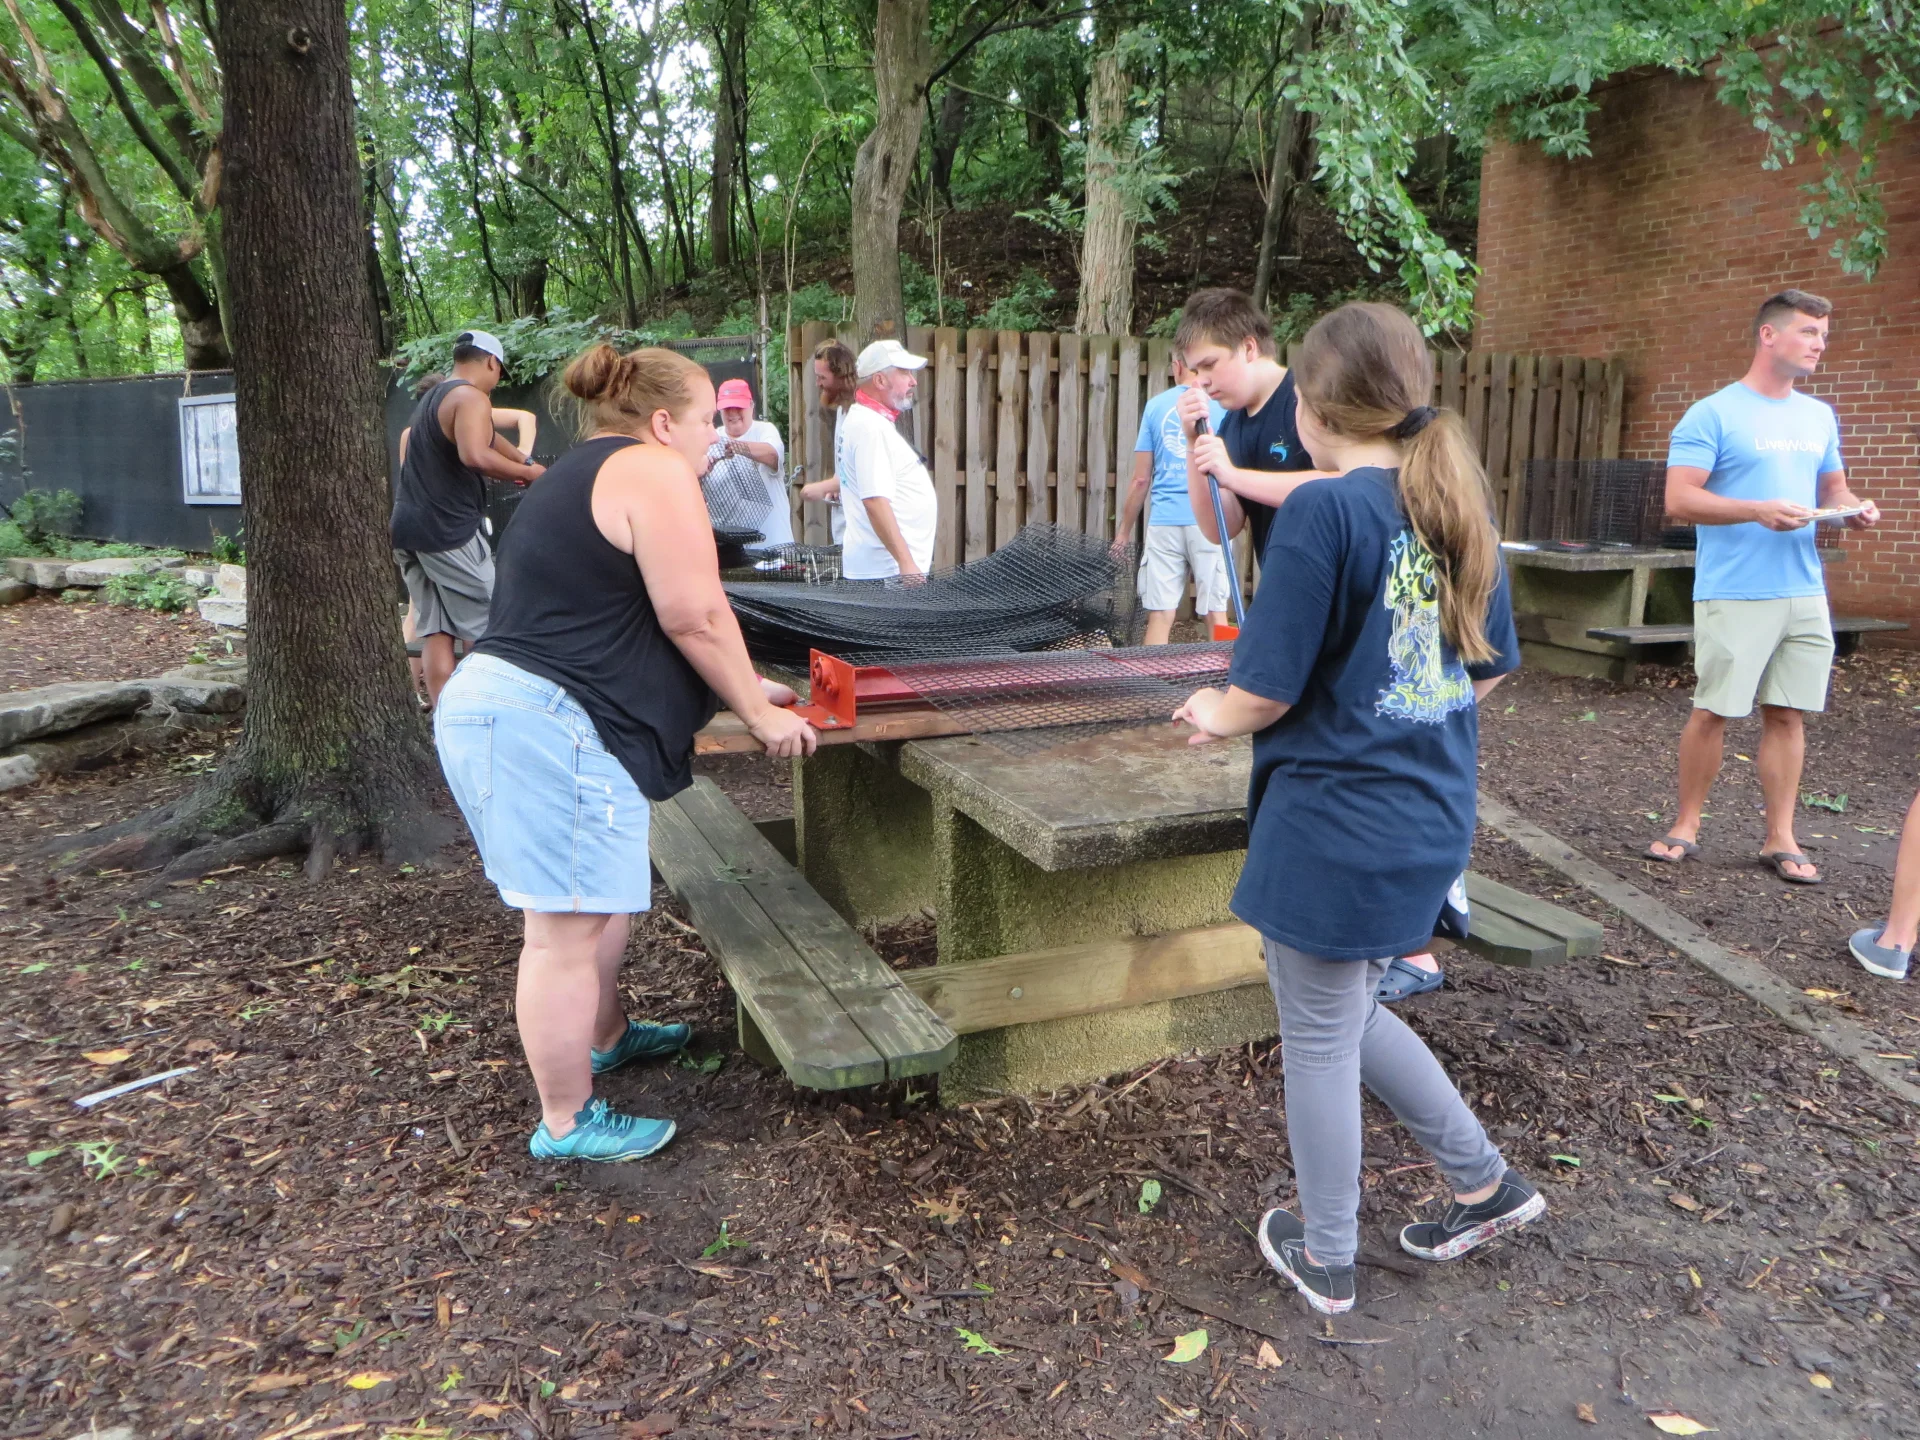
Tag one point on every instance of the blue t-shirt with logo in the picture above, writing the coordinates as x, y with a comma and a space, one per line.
1163, 437
1361, 810
1758, 449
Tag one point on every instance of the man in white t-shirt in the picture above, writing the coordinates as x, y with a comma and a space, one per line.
746, 461
884, 486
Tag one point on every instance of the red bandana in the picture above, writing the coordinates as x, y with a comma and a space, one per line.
861, 397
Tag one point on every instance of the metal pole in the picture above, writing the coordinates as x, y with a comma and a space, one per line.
1226, 545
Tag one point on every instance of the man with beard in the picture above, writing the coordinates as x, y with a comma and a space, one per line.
888, 495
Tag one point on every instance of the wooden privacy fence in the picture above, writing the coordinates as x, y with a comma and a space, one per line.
1018, 426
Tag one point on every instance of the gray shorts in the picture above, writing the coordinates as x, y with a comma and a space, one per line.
451, 590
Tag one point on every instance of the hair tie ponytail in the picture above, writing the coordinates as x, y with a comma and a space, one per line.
1413, 422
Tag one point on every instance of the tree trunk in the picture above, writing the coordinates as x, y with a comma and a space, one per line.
1287, 171
729, 124
949, 125
902, 60
334, 755
202, 337
1106, 242
720, 193
376, 272
530, 289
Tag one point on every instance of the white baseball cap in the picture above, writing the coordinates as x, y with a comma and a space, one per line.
481, 340
886, 355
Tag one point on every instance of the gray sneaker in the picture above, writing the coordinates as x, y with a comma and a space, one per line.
1889, 962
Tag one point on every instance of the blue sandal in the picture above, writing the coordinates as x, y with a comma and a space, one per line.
1403, 981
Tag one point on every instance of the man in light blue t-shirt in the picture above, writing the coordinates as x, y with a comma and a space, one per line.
1176, 547
1749, 466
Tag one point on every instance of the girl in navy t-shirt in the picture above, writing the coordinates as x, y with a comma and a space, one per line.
1382, 617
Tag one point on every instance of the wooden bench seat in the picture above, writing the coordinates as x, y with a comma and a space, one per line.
1847, 630
1509, 927
813, 997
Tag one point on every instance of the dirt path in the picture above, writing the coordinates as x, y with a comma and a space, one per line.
1593, 764
45, 641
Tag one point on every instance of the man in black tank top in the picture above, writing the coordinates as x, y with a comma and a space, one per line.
448, 451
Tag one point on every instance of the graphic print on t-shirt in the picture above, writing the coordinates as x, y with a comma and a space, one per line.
1427, 687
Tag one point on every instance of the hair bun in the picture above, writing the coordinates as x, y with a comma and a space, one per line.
595, 372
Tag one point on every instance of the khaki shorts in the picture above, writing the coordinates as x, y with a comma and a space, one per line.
1173, 553
1776, 651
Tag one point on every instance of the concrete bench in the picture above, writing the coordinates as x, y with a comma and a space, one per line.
812, 997
1847, 630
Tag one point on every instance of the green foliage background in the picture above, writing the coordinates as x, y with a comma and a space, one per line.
547, 169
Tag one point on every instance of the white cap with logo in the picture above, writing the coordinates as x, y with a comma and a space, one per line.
886, 355
481, 340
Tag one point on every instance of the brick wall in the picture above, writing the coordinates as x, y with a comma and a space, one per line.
1660, 246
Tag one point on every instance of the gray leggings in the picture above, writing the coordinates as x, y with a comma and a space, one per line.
1335, 1037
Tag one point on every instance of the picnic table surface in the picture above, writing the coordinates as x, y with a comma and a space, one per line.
1137, 794
1590, 560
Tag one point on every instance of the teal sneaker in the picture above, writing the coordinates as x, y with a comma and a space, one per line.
642, 1042
602, 1134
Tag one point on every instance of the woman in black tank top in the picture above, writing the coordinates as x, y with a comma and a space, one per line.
610, 643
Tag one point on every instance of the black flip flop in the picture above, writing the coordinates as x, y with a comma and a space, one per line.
1688, 850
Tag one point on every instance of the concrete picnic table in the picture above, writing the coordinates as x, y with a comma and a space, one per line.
1050, 873
1559, 595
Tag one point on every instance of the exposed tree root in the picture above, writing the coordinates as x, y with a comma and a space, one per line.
247, 849
226, 821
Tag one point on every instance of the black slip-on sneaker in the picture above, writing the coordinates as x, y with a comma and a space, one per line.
1468, 1227
1283, 1240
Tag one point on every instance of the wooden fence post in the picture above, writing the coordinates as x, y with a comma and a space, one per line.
1006, 478
1039, 451
1099, 431
978, 435
1614, 417
1126, 425
946, 447
1069, 507
813, 430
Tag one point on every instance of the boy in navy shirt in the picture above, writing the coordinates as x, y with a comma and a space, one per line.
1257, 456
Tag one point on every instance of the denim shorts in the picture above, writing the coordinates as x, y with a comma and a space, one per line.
559, 823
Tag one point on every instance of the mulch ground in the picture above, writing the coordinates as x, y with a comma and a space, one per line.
1595, 765
332, 1226
44, 641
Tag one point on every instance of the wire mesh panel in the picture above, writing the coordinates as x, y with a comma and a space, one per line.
1592, 502
1047, 588
790, 564
736, 492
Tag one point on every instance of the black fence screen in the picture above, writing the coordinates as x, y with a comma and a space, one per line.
116, 444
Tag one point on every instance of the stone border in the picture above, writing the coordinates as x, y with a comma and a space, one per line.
224, 605
74, 726
1854, 1043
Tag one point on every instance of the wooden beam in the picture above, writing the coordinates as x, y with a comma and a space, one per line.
725, 734
1089, 979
